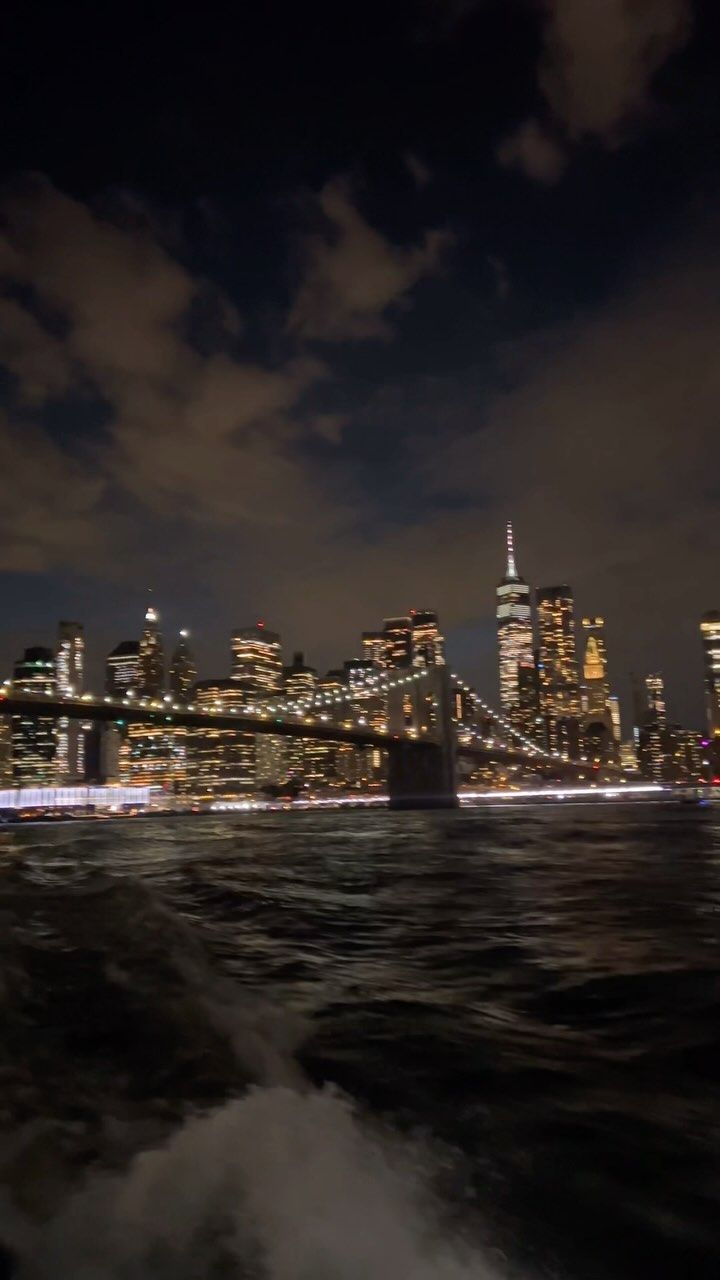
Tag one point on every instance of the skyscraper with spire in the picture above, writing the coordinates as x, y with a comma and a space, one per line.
515, 633
152, 661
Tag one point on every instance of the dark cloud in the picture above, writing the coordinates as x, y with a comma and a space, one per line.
353, 275
595, 74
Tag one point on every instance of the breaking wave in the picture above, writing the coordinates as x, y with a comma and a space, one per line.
277, 1185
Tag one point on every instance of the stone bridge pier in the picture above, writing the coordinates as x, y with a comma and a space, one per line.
422, 769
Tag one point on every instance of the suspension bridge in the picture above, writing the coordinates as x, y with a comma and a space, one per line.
424, 741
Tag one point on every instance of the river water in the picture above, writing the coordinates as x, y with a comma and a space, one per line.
362, 1046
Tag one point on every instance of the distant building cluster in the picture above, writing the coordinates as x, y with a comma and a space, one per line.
563, 701
555, 696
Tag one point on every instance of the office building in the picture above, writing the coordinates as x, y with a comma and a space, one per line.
257, 671
257, 663
222, 761
596, 688
374, 647
527, 716
299, 683
710, 634
514, 631
69, 669
183, 672
70, 658
655, 699
558, 673
152, 658
34, 736
122, 669
614, 709
155, 755
427, 644
398, 642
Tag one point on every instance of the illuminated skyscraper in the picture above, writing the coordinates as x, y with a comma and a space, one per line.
257, 662
222, 760
122, 669
69, 669
427, 643
152, 661
559, 687
655, 694
183, 671
710, 633
398, 642
374, 647
34, 737
257, 672
70, 658
596, 689
300, 683
514, 628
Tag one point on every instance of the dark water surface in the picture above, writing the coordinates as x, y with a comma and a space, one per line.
347, 1046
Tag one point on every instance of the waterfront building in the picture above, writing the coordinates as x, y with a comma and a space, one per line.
257, 671
222, 761
710, 635
122, 669
183, 672
69, 669
321, 758
155, 755
34, 736
427, 644
398, 642
299, 684
558, 672
514, 631
152, 658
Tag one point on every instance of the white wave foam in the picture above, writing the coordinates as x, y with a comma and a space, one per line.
277, 1185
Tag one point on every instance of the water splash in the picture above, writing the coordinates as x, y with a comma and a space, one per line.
275, 1186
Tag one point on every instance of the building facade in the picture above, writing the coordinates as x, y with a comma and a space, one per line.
398, 642
70, 670
427, 644
515, 634
710, 636
152, 658
183, 672
122, 669
257, 671
34, 736
222, 761
558, 671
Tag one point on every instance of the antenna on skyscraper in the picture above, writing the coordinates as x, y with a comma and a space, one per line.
511, 571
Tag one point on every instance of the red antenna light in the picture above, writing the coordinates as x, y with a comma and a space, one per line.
261, 625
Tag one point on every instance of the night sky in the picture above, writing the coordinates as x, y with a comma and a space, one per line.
299, 305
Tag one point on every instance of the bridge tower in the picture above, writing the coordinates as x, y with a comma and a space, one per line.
421, 768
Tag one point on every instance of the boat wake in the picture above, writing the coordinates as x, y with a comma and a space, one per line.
277, 1185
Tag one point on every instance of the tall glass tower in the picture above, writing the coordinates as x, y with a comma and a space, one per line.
514, 625
152, 662
710, 633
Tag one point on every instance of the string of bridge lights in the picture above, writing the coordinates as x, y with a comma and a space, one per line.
528, 743
364, 684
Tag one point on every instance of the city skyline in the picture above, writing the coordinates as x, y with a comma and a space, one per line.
307, 370
174, 649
